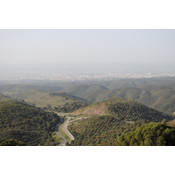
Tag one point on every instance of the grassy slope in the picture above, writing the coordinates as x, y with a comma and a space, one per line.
41, 98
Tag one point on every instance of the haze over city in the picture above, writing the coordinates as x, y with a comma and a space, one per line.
31, 53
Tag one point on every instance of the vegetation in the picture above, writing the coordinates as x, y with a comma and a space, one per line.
11, 142
60, 101
125, 110
160, 97
63, 134
99, 130
152, 134
70, 107
16, 88
56, 137
26, 123
4, 97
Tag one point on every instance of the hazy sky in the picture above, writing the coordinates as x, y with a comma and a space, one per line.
87, 46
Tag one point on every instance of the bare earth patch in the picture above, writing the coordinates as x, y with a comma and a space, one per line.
93, 110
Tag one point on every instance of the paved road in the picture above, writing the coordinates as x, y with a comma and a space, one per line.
63, 143
65, 130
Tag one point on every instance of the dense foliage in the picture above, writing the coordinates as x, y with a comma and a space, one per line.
152, 134
125, 110
26, 123
132, 110
99, 130
11, 142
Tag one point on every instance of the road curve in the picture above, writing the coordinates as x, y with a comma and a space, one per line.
63, 143
66, 131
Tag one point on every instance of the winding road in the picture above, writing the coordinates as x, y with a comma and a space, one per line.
63, 143
65, 130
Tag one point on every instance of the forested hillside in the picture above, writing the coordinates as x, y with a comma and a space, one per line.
26, 123
124, 109
100, 130
11, 142
160, 97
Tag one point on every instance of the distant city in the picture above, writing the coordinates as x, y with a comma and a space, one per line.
79, 72
80, 77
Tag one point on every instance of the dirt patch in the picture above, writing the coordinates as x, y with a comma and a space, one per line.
93, 110
172, 123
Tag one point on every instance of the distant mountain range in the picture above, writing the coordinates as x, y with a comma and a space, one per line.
157, 93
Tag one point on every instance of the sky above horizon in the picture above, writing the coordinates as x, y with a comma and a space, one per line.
87, 46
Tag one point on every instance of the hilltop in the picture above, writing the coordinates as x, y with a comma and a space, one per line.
124, 109
89, 92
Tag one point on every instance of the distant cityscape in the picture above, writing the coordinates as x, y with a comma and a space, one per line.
77, 77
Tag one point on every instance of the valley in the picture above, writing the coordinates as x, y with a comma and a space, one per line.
85, 114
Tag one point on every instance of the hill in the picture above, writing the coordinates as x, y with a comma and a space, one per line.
26, 123
41, 98
160, 97
16, 88
114, 117
133, 82
85, 91
99, 130
124, 109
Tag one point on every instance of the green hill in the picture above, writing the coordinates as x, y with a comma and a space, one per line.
99, 130
41, 98
26, 123
160, 97
113, 117
133, 82
124, 109
85, 91
16, 88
